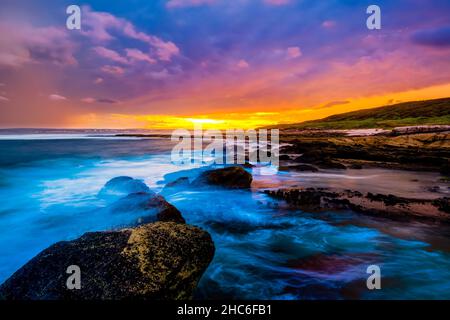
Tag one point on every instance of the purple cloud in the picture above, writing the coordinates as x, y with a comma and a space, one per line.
293, 53
56, 97
99, 25
21, 44
110, 55
277, 2
99, 100
138, 55
114, 70
187, 3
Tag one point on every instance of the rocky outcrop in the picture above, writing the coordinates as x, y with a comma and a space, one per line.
147, 207
425, 151
163, 260
312, 199
180, 182
122, 186
420, 129
132, 197
230, 177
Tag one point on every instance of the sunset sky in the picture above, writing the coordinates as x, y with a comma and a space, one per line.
220, 63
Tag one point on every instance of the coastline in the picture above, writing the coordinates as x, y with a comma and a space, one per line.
319, 202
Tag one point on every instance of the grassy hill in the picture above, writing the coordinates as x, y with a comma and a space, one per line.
430, 112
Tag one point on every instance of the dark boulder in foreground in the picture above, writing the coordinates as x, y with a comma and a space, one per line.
163, 260
231, 177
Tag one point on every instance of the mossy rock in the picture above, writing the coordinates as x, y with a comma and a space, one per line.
162, 260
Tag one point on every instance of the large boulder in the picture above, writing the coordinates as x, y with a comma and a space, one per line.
163, 260
230, 177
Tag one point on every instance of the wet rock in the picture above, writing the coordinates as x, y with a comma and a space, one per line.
180, 182
425, 151
434, 189
147, 207
445, 169
231, 177
330, 164
122, 186
389, 200
372, 204
163, 260
310, 157
443, 204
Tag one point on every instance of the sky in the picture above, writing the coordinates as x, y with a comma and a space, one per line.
219, 63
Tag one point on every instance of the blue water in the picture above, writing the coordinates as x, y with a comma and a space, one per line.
49, 192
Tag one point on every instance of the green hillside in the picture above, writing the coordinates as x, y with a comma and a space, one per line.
431, 112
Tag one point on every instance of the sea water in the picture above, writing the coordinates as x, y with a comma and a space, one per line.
49, 192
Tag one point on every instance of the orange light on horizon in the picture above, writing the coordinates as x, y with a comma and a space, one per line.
250, 120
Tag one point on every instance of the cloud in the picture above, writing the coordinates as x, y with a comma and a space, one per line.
277, 2
88, 100
138, 55
110, 54
114, 70
3, 99
21, 44
328, 24
439, 37
99, 25
99, 100
56, 97
98, 80
242, 64
293, 53
106, 100
171, 4
159, 75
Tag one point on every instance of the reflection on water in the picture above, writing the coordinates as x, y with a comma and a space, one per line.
263, 251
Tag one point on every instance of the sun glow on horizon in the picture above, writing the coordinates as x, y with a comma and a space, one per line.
251, 120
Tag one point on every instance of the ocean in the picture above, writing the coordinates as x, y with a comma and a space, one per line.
49, 185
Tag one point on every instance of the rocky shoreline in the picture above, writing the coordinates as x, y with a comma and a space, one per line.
162, 257
321, 199
416, 151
